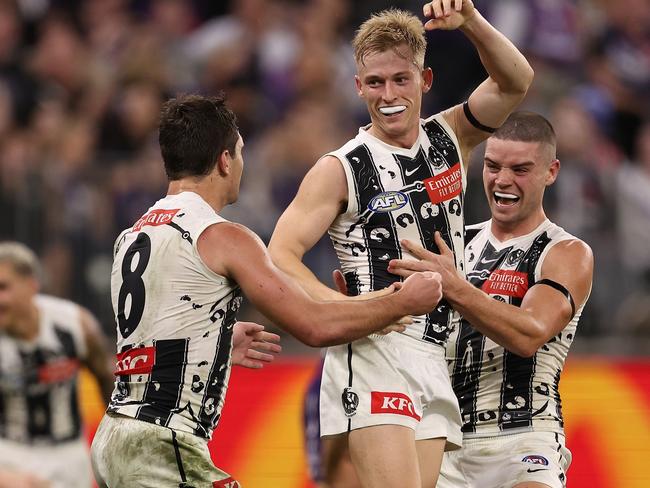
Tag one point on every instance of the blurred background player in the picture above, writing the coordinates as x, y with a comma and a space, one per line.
177, 280
44, 341
401, 177
527, 283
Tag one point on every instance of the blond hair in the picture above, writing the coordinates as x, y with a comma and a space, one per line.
388, 30
21, 257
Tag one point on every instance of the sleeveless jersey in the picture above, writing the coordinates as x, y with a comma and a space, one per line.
38, 378
498, 391
400, 193
174, 318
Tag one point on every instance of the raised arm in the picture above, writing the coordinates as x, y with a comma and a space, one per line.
233, 251
544, 311
322, 196
99, 360
509, 74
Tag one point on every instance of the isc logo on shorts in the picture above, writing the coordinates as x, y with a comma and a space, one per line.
388, 201
136, 361
392, 402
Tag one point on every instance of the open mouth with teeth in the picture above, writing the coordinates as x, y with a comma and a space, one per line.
393, 110
505, 199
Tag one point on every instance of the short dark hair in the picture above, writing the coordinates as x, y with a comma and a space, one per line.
194, 131
527, 127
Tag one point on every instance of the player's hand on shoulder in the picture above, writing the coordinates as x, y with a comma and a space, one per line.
422, 292
252, 346
447, 14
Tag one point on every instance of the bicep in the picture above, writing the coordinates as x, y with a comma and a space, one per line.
320, 199
570, 264
489, 105
247, 262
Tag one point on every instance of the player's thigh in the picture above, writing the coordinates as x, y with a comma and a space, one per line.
430, 452
338, 470
385, 456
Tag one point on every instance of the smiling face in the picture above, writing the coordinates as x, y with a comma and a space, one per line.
515, 175
392, 86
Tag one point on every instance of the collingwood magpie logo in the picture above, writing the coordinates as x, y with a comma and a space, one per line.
514, 256
350, 401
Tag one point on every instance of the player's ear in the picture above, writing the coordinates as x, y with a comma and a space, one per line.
427, 79
357, 82
553, 170
223, 163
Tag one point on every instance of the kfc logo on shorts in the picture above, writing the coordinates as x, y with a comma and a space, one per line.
227, 483
136, 361
392, 402
350, 401
535, 459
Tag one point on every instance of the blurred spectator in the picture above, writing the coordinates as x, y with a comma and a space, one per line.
81, 83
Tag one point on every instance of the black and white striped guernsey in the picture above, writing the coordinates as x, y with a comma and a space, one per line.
175, 319
498, 391
38, 378
400, 193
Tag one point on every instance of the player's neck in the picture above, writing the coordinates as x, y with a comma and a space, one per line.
405, 141
203, 188
505, 231
26, 327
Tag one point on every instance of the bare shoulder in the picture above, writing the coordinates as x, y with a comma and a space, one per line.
225, 243
571, 263
571, 253
327, 174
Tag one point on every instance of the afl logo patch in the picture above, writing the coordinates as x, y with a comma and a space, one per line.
388, 201
535, 459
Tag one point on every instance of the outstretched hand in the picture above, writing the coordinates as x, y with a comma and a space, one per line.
252, 346
447, 14
442, 263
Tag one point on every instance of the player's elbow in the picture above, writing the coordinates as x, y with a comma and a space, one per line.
526, 79
523, 349
527, 345
316, 338
518, 85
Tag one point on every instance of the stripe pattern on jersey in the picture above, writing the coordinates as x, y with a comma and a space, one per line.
38, 385
499, 391
372, 234
174, 364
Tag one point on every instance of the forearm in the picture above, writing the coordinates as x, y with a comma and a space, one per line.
292, 266
349, 320
505, 65
507, 325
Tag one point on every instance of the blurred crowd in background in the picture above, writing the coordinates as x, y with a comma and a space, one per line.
82, 81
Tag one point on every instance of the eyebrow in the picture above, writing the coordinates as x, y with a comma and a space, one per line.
516, 165
371, 76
